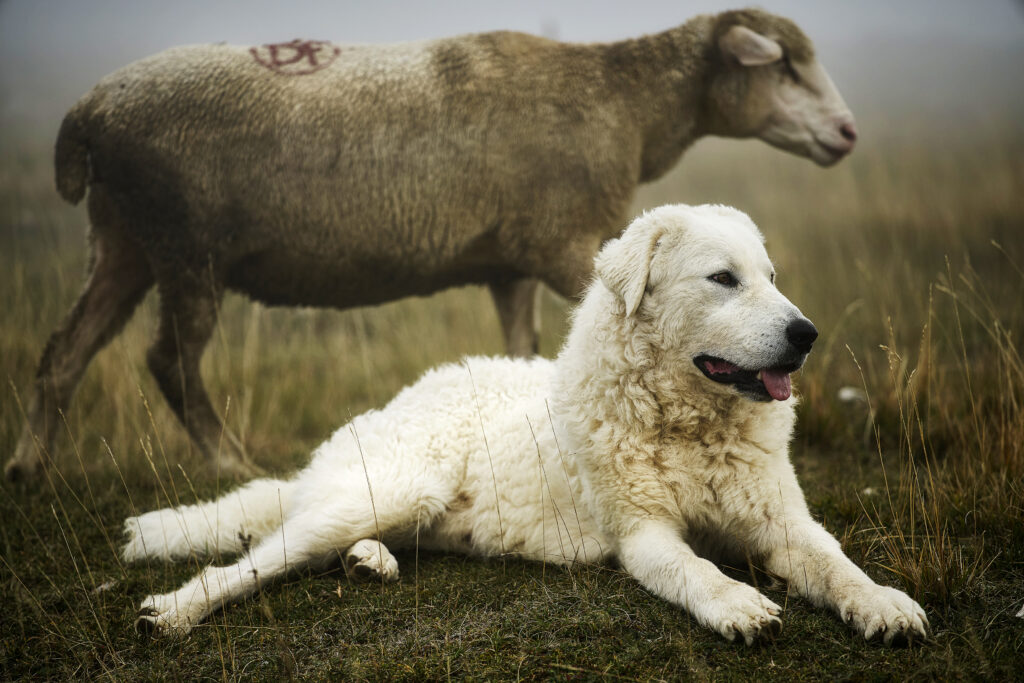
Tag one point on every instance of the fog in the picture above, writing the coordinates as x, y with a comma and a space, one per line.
939, 61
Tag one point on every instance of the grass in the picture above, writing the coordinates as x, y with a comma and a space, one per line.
909, 259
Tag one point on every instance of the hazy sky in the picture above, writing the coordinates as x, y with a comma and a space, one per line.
70, 27
51, 51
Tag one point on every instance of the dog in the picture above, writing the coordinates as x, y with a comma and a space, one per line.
658, 437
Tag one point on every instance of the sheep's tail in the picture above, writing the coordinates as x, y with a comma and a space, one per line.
71, 157
227, 525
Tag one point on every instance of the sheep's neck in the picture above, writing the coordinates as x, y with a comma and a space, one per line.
662, 79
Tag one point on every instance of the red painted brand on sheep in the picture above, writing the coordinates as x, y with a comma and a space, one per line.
296, 58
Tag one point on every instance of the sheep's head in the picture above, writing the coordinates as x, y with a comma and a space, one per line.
768, 84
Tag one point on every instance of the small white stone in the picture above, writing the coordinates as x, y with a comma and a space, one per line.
851, 395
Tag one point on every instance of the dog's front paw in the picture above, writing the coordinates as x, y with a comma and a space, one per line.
159, 616
880, 611
742, 611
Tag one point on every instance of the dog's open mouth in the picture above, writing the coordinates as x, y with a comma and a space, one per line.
765, 384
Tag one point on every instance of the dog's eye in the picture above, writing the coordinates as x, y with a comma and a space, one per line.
725, 278
772, 278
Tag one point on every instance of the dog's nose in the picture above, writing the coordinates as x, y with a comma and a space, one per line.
801, 333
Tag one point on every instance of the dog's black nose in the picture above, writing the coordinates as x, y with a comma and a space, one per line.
801, 333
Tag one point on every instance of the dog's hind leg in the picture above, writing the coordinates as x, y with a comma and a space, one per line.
227, 525
316, 533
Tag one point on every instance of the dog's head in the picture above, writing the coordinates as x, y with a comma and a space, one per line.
700, 279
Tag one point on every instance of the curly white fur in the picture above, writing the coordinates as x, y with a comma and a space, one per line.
620, 447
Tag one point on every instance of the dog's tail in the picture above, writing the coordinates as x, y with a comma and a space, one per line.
227, 525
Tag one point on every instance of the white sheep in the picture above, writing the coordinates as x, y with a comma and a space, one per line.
306, 173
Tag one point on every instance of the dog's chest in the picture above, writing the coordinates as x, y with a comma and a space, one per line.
725, 487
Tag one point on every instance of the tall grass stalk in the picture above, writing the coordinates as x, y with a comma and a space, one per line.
960, 453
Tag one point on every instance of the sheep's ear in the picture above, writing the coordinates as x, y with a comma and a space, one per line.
749, 47
624, 264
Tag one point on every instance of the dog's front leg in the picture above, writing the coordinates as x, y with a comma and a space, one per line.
813, 563
657, 556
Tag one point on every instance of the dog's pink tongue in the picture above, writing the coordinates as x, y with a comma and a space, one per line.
777, 383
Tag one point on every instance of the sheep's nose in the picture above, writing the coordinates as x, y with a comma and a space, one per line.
801, 333
849, 131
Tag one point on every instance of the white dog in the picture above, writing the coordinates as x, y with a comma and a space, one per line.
660, 434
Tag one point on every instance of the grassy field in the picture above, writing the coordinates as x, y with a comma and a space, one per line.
908, 257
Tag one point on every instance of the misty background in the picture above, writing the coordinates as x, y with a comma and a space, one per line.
911, 67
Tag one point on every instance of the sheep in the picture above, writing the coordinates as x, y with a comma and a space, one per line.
313, 174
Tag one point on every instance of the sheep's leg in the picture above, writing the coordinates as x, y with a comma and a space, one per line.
118, 279
188, 317
516, 301
568, 271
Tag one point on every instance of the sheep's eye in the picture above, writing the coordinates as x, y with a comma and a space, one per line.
790, 71
725, 278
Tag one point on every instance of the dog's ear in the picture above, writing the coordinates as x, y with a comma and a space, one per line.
624, 264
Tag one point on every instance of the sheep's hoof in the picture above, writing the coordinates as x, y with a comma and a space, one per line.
19, 469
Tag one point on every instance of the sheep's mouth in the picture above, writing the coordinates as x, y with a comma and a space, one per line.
833, 153
764, 384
